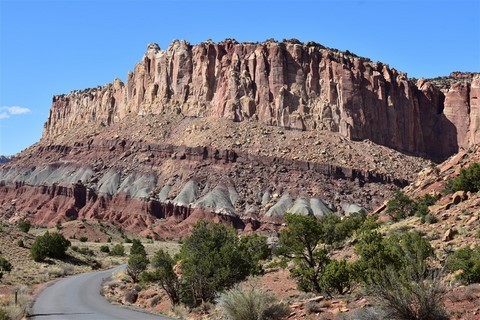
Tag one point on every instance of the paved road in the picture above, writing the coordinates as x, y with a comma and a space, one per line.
78, 298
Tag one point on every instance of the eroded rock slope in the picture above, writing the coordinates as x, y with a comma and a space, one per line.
235, 132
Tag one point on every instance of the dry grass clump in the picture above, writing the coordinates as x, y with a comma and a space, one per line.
16, 311
251, 303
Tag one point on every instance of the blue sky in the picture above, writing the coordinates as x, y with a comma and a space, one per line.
53, 47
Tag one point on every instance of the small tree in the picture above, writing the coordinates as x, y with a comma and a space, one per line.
398, 276
52, 245
164, 274
5, 266
401, 206
211, 260
299, 242
24, 225
254, 248
337, 277
117, 250
467, 180
137, 248
468, 261
137, 263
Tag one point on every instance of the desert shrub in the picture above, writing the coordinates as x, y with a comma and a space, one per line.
5, 266
164, 274
131, 296
137, 248
401, 206
397, 274
86, 251
467, 180
335, 229
299, 242
313, 307
20, 243
405, 294
24, 225
467, 260
337, 277
353, 222
430, 218
4, 315
397, 251
254, 248
52, 245
105, 249
212, 259
137, 263
251, 303
117, 250
83, 239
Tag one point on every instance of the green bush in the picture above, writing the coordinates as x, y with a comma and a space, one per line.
24, 225
52, 245
396, 251
164, 274
467, 180
407, 294
105, 249
337, 277
213, 259
430, 218
20, 243
401, 206
251, 303
117, 250
467, 260
137, 248
299, 242
254, 248
86, 251
83, 239
137, 263
4, 315
5, 266
396, 271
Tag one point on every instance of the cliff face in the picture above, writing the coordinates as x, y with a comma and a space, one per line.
287, 84
198, 132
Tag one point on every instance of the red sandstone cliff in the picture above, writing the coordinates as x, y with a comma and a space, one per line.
192, 135
287, 84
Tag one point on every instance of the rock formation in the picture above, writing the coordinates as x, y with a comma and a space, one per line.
238, 133
287, 84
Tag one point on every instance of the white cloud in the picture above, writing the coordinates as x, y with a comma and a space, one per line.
6, 112
18, 110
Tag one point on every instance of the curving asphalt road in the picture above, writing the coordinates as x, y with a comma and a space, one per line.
78, 298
